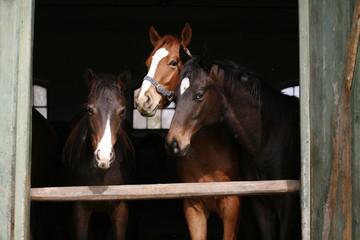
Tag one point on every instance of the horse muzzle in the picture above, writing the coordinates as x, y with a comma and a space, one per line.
173, 148
104, 160
145, 105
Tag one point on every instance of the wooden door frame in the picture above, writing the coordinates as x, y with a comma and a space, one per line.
16, 39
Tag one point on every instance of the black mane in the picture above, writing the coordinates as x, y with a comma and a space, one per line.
272, 103
233, 72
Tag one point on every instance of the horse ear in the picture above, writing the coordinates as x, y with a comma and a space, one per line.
89, 76
154, 36
123, 79
184, 56
186, 35
205, 61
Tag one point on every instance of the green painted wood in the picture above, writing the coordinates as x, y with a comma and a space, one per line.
356, 152
305, 117
16, 22
332, 163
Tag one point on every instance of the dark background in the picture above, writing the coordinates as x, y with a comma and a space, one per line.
110, 35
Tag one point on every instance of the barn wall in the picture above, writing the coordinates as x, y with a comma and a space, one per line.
15, 71
334, 214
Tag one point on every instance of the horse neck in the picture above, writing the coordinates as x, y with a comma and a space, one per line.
244, 118
255, 115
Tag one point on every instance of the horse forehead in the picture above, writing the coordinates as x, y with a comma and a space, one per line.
173, 49
156, 58
160, 54
184, 85
107, 99
167, 50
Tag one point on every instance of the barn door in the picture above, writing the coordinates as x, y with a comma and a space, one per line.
16, 31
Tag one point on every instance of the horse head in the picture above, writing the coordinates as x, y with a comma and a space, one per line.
106, 112
164, 67
198, 104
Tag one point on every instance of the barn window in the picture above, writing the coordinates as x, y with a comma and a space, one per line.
161, 119
291, 91
39, 99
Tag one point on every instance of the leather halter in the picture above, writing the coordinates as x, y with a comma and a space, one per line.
164, 92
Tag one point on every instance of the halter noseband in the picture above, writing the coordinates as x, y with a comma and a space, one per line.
165, 93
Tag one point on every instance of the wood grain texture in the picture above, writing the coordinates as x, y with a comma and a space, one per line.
304, 45
164, 191
333, 46
15, 83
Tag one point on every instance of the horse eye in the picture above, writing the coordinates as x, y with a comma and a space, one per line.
90, 110
173, 63
121, 112
199, 96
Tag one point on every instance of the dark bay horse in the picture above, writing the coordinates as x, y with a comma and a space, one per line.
99, 152
212, 158
264, 122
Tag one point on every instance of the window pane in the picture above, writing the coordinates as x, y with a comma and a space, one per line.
154, 122
139, 122
171, 105
291, 91
167, 115
43, 111
39, 96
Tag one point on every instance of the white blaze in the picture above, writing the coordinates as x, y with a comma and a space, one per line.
159, 54
156, 58
185, 84
104, 147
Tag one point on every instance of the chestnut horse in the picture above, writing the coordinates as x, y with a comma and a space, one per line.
265, 123
99, 152
214, 155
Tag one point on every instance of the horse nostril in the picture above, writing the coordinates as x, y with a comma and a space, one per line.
175, 147
172, 147
148, 101
111, 154
97, 154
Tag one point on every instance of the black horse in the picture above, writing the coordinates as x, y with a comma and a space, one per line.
99, 152
264, 122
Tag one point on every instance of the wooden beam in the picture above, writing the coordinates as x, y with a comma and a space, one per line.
164, 191
304, 54
16, 24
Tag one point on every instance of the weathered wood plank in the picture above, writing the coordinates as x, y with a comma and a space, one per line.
356, 152
15, 81
330, 119
355, 103
164, 191
305, 117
